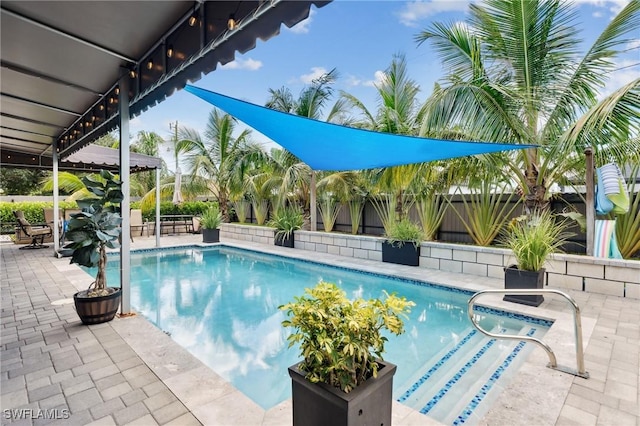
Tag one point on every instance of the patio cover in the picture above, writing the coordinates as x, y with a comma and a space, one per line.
327, 146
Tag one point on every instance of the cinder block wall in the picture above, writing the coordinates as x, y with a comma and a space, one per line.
563, 271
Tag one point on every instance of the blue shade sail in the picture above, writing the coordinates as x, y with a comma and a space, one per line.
327, 146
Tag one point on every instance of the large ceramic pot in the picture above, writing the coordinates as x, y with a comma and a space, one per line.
210, 235
318, 404
515, 278
282, 241
96, 310
407, 254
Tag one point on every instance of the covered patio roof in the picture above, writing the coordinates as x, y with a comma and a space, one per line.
88, 159
62, 60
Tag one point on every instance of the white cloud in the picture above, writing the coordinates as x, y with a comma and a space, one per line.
302, 27
633, 44
243, 64
417, 10
613, 6
316, 72
378, 78
628, 71
352, 81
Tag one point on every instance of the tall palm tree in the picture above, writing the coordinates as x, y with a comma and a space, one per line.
516, 75
293, 174
220, 158
397, 113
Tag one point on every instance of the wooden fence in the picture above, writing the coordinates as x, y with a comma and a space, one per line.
452, 229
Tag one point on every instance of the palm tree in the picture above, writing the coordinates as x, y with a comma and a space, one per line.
147, 143
220, 158
294, 175
397, 113
515, 75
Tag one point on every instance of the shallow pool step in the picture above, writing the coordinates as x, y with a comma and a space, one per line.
437, 371
480, 385
460, 380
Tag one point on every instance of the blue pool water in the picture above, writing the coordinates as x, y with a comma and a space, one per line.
221, 304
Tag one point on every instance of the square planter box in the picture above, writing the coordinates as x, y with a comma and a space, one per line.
318, 404
514, 278
282, 241
210, 235
408, 254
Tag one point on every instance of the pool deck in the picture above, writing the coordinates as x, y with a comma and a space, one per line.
129, 372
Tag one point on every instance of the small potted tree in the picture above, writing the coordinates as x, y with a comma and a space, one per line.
210, 224
532, 239
90, 232
342, 379
286, 220
402, 245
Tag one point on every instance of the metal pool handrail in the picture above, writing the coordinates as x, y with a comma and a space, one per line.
577, 323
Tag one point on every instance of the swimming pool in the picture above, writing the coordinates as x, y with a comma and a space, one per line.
221, 304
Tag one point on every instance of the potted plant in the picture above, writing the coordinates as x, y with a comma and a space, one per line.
342, 379
210, 224
532, 239
402, 245
286, 220
90, 232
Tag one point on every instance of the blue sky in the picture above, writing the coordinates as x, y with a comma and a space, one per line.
359, 39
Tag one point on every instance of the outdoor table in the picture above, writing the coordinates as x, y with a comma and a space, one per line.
176, 221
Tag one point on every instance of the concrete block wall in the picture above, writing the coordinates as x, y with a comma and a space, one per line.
563, 271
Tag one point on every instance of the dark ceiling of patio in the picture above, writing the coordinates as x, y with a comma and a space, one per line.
62, 60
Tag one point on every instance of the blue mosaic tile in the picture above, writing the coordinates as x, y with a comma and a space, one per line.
435, 367
457, 376
468, 410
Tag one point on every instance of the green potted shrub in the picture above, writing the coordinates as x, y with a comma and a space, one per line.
532, 239
342, 379
286, 221
210, 223
402, 244
90, 232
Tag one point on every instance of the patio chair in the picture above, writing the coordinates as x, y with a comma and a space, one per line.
37, 233
137, 223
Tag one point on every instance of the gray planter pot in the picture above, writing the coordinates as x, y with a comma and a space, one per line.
408, 254
318, 404
210, 235
514, 278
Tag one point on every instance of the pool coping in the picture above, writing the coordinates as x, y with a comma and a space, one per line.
535, 395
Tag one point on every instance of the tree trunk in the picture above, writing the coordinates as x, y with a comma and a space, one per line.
100, 284
399, 205
535, 197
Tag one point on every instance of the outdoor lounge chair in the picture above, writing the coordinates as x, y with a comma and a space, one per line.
137, 223
37, 233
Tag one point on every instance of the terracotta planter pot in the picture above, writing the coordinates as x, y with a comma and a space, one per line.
318, 404
96, 310
514, 278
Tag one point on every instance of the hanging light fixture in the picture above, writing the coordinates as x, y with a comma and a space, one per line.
150, 64
132, 73
170, 51
231, 23
193, 19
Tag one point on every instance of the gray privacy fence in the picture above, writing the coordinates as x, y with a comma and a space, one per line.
452, 229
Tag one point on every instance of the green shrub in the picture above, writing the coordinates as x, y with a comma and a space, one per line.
404, 231
533, 238
211, 218
286, 221
341, 339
